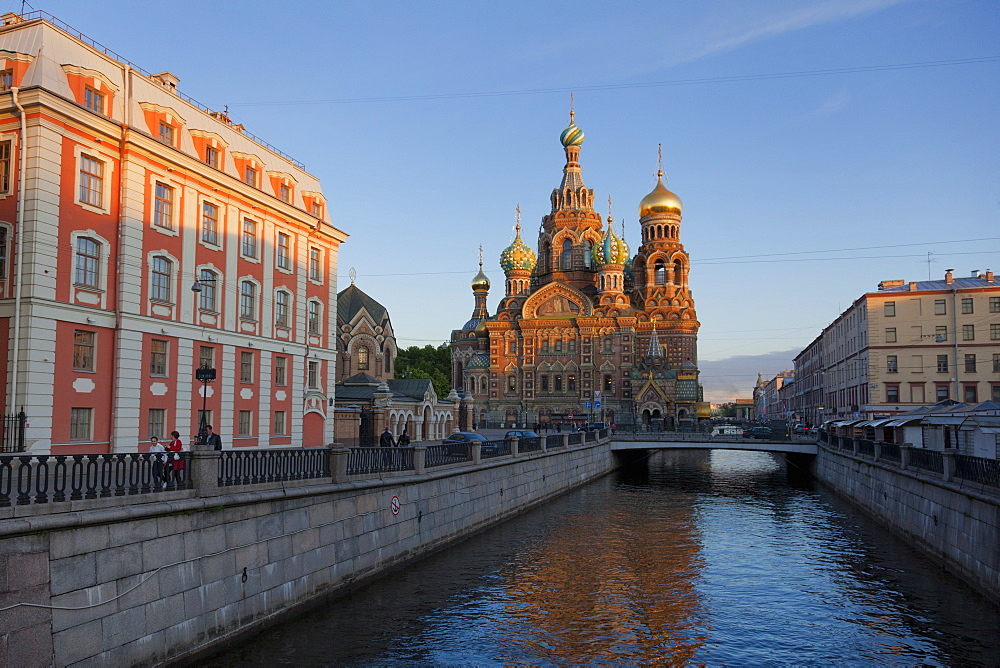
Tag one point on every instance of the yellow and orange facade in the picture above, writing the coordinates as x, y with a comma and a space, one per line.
143, 236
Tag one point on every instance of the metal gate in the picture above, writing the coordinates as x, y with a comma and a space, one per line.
12, 435
366, 434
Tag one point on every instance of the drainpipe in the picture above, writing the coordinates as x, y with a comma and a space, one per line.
19, 252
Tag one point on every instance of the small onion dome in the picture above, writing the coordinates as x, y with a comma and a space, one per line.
480, 282
659, 201
517, 256
611, 249
479, 361
571, 136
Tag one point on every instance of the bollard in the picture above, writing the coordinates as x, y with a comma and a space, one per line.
545, 444
904, 455
565, 440
877, 446
419, 458
948, 458
477, 452
205, 470
339, 455
513, 447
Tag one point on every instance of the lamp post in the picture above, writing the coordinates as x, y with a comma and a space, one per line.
204, 373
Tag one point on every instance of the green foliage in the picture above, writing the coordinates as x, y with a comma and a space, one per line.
426, 362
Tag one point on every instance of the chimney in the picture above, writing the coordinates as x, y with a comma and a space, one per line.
913, 286
11, 18
989, 276
948, 278
167, 80
975, 273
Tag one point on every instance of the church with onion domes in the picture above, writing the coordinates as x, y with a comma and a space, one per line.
585, 331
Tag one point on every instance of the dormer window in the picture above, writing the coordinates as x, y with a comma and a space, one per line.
93, 100
250, 176
212, 156
6, 79
317, 209
166, 133
284, 193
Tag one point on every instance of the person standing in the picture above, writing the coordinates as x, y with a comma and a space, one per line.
176, 464
211, 438
403, 440
156, 448
386, 441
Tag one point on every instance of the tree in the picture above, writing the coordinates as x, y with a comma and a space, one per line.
427, 362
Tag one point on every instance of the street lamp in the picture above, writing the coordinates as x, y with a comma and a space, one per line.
204, 373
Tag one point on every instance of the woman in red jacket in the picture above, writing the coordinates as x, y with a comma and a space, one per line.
176, 463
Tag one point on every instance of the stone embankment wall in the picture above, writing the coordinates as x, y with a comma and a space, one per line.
957, 524
128, 583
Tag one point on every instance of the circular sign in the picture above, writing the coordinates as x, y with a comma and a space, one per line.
394, 505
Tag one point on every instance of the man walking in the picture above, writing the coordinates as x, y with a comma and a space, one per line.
211, 438
386, 441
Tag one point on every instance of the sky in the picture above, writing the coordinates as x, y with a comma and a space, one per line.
818, 146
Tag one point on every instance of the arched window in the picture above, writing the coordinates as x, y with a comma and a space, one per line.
88, 263
588, 254
566, 258
248, 300
607, 345
678, 272
363, 358
660, 273
388, 363
159, 287
512, 383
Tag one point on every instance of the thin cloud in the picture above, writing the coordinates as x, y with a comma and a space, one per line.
833, 103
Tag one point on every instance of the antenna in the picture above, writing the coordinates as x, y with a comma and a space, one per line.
928, 261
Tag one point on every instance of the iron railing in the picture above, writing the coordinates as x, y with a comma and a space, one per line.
498, 448
575, 439
439, 455
237, 467
889, 451
866, 447
28, 479
531, 444
929, 460
12, 433
978, 469
379, 460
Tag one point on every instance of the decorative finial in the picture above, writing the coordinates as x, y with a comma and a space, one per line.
480, 256
610, 219
659, 160
353, 274
572, 113
517, 215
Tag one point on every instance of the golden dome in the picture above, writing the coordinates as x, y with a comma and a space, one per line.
659, 201
480, 282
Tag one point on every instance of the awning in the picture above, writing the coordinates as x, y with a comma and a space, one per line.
943, 420
901, 421
881, 422
990, 430
864, 423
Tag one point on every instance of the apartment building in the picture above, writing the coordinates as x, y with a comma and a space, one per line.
144, 236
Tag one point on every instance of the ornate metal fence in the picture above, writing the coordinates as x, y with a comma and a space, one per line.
439, 455
533, 444
977, 469
12, 433
889, 451
866, 447
929, 460
379, 460
237, 467
575, 439
27, 479
498, 448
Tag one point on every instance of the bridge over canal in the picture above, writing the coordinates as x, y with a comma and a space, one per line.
675, 441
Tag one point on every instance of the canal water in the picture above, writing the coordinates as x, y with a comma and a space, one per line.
707, 558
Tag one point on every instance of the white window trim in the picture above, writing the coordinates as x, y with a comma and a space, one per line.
109, 173
257, 299
12, 138
176, 218
219, 293
291, 251
291, 309
322, 269
321, 312
220, 230
174, 276
259, 233
105, 259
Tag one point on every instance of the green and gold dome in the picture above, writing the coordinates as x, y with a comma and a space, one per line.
518, 256
611, 249
571, 136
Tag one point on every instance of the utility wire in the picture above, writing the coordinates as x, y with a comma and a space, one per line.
622, 86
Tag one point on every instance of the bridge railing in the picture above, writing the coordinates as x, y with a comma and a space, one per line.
377, 459
251, 467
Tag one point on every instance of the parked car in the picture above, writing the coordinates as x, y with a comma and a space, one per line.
595, 426
726, 430
812, 431
520, 433
800, 429
757, 432
457, 443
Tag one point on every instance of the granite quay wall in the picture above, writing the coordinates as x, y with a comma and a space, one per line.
952, 520
155, 578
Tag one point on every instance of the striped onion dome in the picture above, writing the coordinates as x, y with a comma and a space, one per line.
611, 249
571, 136
517, 256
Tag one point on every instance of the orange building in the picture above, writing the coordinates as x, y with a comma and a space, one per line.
585, 330
142, 236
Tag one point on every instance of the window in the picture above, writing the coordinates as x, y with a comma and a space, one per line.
315, 274
158, 357
559, 384
314, 318
941, 333
891, 364
966, 305
3, 253
892, 394
572, 345
566, 257
166, 133
995, 392
607, 346
313, 374
889, 309
387, 359
210, 223
545, 346
279, 427
571, 383
212, 156
250, 176
941, 392
5, 166
890, 334
994, 304
156, 423
93, 99
940, 307
512, 383
996, 362
512, 347
160, 285
660, 273
280, 371
88, 263
80, 421
91, 181
558, 345
284, 193
281, 299
607, 384
246, 367
246, 423
942, 363
969, 394
968, 332
248, 300
995, 332
163, 207
83, 350
363, 358
249, 238
206, 356
317, 209
970, 363
6, 79
284, 260
208, 300
545, 383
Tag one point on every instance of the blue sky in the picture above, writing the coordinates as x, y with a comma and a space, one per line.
429, 122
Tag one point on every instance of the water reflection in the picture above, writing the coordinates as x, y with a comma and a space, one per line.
692, 558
